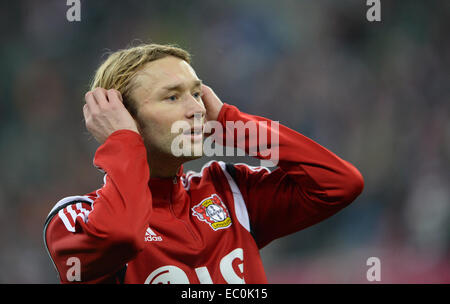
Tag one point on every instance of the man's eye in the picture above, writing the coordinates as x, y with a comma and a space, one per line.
172, 98
197, 95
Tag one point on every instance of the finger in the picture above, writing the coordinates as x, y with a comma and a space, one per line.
207, 89
119, 95
92, 105
86, 112
114, 96
212, 103
100, 95
208, 93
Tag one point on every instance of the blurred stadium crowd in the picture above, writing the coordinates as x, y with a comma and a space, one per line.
376, 94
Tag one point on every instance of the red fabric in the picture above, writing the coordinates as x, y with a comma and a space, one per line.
182, 245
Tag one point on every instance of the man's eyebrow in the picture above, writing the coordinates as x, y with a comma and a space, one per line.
179, 86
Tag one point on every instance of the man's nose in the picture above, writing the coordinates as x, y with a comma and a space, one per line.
195, 108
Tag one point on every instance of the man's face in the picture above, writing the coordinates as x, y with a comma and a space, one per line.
165, 91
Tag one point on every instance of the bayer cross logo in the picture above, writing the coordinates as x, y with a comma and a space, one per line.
213, 211
216, 213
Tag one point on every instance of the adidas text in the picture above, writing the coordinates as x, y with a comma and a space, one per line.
150, 236
153, 239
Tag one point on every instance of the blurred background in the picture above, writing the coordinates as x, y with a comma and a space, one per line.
375, 93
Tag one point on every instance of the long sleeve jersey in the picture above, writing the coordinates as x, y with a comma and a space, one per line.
204, 227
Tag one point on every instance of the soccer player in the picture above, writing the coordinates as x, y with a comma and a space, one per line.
152, 223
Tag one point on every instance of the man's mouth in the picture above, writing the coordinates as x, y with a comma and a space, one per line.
194, 131
196, 134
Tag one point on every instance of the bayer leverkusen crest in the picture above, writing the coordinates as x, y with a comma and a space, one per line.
213, 211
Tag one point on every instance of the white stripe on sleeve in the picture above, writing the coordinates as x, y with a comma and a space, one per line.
65, 220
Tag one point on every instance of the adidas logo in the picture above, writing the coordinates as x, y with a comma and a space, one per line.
151, 236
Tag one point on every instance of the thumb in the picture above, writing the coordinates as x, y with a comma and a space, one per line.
212, 103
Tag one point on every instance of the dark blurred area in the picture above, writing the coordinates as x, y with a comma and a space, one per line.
375, 93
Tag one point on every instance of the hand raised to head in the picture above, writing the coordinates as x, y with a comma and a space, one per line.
105, 113
212, 103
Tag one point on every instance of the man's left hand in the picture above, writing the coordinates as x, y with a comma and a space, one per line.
212, 103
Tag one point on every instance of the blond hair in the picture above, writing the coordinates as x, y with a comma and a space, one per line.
120, 67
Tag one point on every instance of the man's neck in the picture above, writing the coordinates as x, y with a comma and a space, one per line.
163, 166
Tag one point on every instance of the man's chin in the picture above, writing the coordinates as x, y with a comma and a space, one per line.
190, 157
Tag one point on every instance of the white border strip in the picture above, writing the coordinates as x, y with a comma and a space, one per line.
70, 199
239, 204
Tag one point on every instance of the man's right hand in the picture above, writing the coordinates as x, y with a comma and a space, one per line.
105, 113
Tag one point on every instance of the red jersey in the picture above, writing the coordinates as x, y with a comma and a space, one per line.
204, 227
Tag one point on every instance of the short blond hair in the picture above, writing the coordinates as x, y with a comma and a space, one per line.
118, 70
